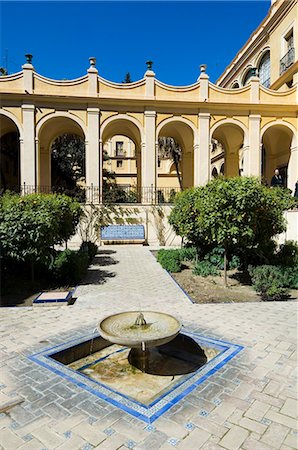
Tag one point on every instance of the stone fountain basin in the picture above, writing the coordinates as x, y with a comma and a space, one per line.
120, 329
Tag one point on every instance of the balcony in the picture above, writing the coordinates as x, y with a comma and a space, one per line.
287, 60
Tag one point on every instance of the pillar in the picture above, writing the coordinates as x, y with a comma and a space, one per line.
149, 153
27, 149
254, 159
92, 150
202, 157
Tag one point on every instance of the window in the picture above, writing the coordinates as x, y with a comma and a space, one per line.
288, 58
235, 85
119, 163
264, 70
120, 148
289, 38
251, 72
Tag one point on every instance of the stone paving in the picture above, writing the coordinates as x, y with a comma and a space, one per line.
250, 403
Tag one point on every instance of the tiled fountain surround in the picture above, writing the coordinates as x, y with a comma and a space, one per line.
148, 413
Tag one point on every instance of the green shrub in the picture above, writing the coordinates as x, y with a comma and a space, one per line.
90, 248
31, 225
69, 267
269, 281
290, 277
170, 260
205, 268
287, 254
188, 253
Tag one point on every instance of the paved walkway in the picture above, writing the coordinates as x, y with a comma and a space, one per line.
250, 403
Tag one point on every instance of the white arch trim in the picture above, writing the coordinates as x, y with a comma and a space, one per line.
178, 119
260, 56
15, 121
111, 119
231, 122
282, 123
42, 122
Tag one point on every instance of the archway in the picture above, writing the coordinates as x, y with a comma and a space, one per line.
182, 133
10, 171
277, 141
122, 159
214, 173
48, 132
230, 137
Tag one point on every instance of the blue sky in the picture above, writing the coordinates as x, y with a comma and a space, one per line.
177, 36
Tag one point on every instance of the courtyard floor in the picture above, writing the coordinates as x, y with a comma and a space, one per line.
248, 403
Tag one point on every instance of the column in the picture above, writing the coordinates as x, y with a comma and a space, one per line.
202, 158
27, 149
254, 159
148, 153
245, 172
92, 150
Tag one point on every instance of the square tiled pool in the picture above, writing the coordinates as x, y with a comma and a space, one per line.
102, 369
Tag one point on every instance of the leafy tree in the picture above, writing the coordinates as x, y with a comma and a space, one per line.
3, 71
127, 78
30, 226
68, 161
168, 148
235, 212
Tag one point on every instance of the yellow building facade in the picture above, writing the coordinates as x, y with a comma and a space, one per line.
250, 129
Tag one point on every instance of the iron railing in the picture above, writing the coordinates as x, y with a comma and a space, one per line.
287, 60
113, 194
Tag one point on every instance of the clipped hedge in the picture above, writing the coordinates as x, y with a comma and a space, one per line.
170, 260
269, 281
70, 267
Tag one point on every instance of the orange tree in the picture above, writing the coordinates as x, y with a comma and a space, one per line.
31, 225
235, 212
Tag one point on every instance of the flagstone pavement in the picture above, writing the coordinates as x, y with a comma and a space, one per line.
250, 403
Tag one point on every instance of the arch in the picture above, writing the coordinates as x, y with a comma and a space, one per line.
235, 84
214, 172
48, 129
282, 123
246, 74
278, 139
264, 69
119, 117
233, 135
185, 134
10, 116
261, 54
232, 122
128, 168
56, 115
178, 119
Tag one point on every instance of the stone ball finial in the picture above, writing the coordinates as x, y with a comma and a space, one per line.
28, 57
92, 61
149, 65
203, 68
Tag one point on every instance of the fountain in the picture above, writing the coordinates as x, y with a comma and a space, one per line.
132, 330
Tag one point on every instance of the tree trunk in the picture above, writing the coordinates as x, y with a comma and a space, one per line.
32, 270
225, 267
178, 173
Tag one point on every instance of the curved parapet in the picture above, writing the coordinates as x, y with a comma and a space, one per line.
12, 83
75, 87
223, 95
129, 90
